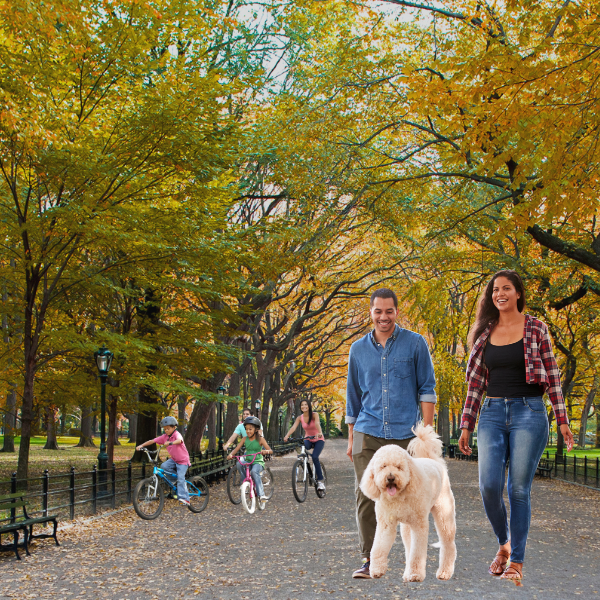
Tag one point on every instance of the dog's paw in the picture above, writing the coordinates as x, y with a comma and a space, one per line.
413, 577
444, 574
377, 570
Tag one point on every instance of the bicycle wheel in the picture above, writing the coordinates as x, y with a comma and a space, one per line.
321, 493
148, 498
299, 482
267, 480
198, 491
234, 480
248, 498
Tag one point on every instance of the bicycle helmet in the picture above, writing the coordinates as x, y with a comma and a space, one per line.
169, 421
252, 421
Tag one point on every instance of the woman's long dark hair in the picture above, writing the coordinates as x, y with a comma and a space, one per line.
486, 311
310, 411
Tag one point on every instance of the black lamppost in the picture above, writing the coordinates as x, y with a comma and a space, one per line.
103, 359
221, 391
280, 413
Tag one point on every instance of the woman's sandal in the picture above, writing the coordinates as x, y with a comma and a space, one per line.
511, 571
499, 563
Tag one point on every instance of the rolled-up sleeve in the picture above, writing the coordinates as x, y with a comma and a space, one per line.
353, 391
425, 373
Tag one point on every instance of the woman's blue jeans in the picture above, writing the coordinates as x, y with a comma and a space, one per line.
513, 430
318, 448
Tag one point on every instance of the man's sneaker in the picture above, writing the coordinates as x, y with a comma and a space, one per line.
263, 499
321, 486
364, 572
184, 502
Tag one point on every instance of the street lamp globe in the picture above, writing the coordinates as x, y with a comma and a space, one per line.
103, 358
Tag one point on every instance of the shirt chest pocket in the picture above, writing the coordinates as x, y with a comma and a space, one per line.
403, 367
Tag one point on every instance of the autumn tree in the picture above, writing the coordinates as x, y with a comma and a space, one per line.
101, 125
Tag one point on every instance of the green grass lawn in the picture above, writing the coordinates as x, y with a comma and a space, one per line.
589, 452
59, 461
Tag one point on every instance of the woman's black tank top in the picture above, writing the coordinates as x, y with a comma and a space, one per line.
506, 366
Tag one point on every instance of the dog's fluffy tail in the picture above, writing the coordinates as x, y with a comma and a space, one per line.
426, 444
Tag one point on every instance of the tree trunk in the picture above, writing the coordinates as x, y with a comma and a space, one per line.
146, 421
50, 418
327, 422
27, 414
112, 428
132, 418
232, 418
182, 402
63, 419
297, 412
287, 419
597, 406
566, 384
212, 437
10, 414
196, 425
116, 438
444, 424
10, 420
266, 401
584, 414
85, 437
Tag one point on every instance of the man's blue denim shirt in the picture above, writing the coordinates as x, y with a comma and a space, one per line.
385, 385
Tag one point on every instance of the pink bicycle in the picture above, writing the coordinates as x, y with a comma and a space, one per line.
248, 490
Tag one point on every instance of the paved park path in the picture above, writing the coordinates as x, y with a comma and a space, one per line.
305, 551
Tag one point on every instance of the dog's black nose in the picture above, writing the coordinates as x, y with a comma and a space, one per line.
390, 477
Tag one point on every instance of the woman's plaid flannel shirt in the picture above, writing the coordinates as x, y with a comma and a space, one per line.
540, 368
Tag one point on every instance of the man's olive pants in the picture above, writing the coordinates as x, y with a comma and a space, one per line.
364, 447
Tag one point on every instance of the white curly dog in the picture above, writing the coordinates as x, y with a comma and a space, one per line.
405, 491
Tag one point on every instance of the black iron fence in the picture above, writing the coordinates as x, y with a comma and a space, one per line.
79, 493
578, 469
583, 470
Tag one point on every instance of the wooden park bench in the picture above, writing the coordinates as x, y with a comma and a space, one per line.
23, 522
544, 468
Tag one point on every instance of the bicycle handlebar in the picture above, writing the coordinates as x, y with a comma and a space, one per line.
150, 452
239, 458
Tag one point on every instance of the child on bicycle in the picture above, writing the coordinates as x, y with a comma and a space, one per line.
254, 443
179, 462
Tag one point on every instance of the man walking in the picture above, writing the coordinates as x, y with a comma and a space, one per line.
389, 373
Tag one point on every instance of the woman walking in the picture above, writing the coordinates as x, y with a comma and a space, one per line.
312, 426
512, 363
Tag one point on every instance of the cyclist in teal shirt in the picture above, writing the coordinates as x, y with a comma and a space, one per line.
240, 429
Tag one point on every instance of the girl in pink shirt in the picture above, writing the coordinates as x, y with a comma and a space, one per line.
179, 462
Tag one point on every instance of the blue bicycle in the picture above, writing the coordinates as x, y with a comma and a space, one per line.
149, 496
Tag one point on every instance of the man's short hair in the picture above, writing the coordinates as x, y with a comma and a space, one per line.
384, 293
